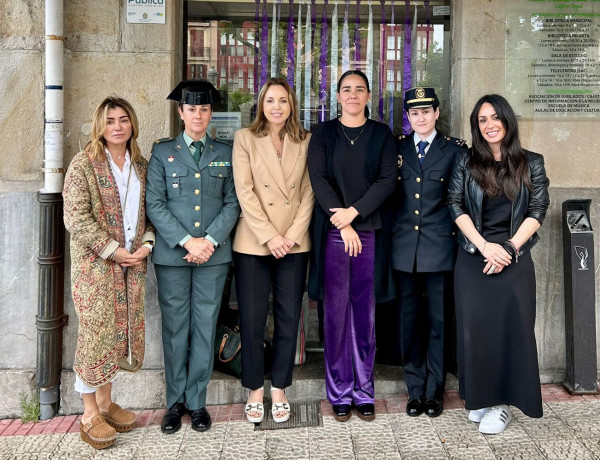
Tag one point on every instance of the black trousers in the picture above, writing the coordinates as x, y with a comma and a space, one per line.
422, 330
254, 277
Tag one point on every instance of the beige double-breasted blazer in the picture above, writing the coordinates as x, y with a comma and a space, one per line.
276, 198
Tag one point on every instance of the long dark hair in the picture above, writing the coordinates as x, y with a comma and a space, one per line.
260, 125
513, 169
361, 75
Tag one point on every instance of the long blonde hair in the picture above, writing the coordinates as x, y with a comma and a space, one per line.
95, 147
260, 125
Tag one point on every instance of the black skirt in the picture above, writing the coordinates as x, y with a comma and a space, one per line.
497, 354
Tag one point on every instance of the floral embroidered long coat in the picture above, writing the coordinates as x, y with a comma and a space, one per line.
109, 301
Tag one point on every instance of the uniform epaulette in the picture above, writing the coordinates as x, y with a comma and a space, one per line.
455, 140
164, 139
227, 142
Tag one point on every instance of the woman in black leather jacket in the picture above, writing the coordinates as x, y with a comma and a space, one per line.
498, 197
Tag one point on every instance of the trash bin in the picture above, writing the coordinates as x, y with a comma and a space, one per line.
580, 313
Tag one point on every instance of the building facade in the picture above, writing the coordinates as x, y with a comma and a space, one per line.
104, 54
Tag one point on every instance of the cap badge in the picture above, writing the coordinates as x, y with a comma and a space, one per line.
420, 93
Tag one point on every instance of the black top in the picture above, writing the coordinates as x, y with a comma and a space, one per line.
496, 218
350, 181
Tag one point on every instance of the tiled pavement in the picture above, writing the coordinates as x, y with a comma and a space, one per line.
570, 429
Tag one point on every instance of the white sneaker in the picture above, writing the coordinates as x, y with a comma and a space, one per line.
476, 415
495, 420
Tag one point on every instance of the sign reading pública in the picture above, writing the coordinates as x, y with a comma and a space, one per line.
552, 58
146, 11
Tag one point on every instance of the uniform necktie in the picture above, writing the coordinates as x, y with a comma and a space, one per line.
422, 146
199, 146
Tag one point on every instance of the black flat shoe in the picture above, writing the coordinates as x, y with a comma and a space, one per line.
433, 408
200, 419
415, 407
366, 412
341, 412
171, 422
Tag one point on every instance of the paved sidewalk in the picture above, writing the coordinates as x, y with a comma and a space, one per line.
570, 429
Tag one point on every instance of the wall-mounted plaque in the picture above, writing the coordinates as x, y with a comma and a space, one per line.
552, 57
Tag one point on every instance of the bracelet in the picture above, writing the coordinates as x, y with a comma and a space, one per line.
483, 247
111, 256
511, 249
148, 244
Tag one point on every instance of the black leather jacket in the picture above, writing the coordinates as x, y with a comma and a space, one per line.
465, 196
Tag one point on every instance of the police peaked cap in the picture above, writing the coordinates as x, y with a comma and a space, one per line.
195, 92
416, 98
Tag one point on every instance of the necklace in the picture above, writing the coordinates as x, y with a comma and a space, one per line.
277, 149
352, 140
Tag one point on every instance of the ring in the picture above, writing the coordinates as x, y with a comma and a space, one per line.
492, 269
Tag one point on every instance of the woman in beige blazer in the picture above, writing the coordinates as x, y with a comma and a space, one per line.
271, 242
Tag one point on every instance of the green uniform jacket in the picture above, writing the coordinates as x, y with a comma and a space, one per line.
183, 198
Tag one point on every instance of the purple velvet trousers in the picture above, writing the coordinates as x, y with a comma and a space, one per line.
349, 320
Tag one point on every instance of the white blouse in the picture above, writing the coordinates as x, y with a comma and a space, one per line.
129, 188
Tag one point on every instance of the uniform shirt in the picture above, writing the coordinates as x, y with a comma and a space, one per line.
189, 142
130, 192
429, 140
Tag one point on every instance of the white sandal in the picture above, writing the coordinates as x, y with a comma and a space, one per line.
277, 408
255, 407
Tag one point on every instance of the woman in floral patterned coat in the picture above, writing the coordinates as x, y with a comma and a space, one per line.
104, 212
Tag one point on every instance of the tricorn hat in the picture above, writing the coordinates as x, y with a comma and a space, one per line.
416, 98
195, 92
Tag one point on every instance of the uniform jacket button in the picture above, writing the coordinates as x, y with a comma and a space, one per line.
197, 192
197, 208
418, 179
270, 203
417, 196
417, 212
287, 202
197, 175
416, 227
266, 185
293, 185
197, 224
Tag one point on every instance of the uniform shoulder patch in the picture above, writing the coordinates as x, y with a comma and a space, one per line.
164, 139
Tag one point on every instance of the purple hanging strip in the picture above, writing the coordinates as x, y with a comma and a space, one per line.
407, 71
357, 34
291, 55
256, 47
323, 64
427, 31
264, 45
382, 60
393, 66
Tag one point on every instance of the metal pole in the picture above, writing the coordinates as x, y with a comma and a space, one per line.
50, 318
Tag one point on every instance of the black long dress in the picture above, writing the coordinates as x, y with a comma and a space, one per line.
497, 354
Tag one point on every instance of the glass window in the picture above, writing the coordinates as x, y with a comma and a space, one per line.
235, 68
